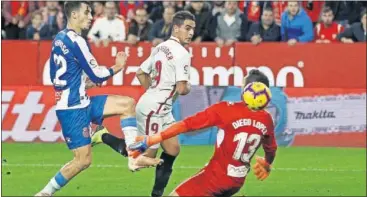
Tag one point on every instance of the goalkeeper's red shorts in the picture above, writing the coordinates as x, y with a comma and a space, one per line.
209, 182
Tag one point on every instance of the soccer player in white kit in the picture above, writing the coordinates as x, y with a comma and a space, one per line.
164, 75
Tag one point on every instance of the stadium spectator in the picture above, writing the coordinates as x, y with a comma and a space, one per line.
296, 24
264, 31
313, 9
218, 7
230, 26
51, 15
252, 10
278, 8
356, 32
110, 27
17, 15
161, 29
98, 9
327, 31
156, 13
150, 5
203, 16
127, 9
346, 12
139, 27
34, 29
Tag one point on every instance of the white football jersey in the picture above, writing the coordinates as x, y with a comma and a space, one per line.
168, 63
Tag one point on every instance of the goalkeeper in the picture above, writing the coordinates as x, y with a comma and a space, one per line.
241, 132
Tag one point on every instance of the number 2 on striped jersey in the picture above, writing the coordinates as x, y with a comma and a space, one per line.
244, 138
61, 62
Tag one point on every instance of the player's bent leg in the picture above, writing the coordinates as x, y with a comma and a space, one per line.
123, 106
114, 105
82, 160
171, 146
196, 185
163, 172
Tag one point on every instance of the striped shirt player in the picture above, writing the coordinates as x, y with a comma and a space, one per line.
71, 62
168, 63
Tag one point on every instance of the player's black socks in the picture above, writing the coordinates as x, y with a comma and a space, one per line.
162, 174
115, 143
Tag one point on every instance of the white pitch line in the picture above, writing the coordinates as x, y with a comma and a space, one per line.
190, 167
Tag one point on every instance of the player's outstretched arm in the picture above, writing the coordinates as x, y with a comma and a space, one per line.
97, 74
201, 120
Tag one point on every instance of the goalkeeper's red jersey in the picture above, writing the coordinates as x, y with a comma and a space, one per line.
241, 132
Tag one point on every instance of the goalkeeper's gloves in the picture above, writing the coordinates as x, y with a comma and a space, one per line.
140, 146
261, 168
142, 143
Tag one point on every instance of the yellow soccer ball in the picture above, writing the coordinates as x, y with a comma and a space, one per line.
256, 95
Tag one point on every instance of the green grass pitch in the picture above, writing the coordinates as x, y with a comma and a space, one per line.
298, 171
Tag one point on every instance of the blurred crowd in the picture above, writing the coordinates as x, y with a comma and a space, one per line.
223, 22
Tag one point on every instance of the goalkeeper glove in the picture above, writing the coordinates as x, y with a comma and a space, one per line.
142, 143
261, 168
140, 146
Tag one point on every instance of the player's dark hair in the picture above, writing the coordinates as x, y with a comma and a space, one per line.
327, 9
269, 9
71, 6
181, 16
256, 75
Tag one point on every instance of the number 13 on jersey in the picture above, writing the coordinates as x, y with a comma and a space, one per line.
244, 138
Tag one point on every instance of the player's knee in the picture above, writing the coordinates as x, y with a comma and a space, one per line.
84, 163
173, 150
130, 106
126, 106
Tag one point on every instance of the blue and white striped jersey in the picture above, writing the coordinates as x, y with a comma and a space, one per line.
71, 62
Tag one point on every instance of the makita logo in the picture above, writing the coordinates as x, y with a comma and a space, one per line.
212, 75
322, 114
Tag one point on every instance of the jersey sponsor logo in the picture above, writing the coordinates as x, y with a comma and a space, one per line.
238, 172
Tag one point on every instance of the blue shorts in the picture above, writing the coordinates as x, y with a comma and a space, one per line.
75, 123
